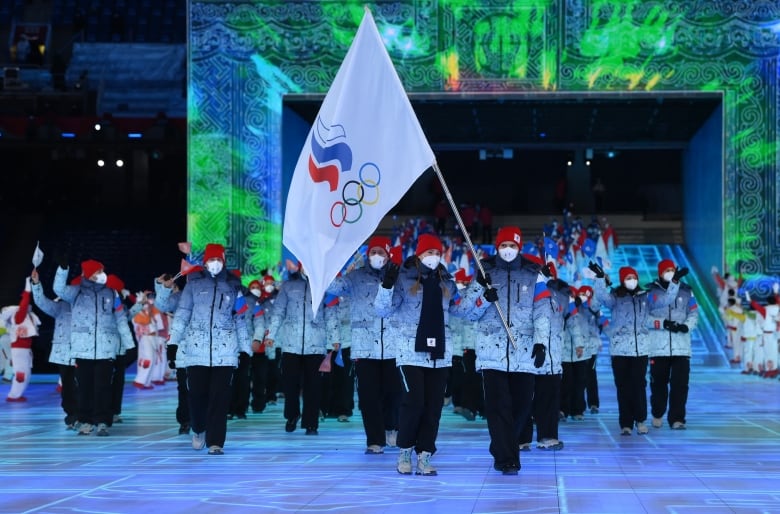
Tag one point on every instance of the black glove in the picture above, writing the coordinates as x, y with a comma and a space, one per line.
491, 294
546, 270
596, 269
538, 353
682, 328
483, 280
62, 259
680, 273
669, 325
391, 275
170, 352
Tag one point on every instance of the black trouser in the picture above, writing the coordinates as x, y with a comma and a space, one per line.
338, 386
69, 393
544, 410
466, 382
669, 378
274, 382
379, 397
454, 386
301, 374
209, 395
592, 383
573, 381
631, 384
183, 400
239, 400
94, 390
508, 398
471, 395
259, 369
118, 385
422, 396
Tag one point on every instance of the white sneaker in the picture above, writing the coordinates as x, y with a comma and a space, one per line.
391, 437
405, 461
102, 430
657, 422
550, 445
641, 428
374, 449
199, 441
424, 466
85, 429
678, 425
118, 418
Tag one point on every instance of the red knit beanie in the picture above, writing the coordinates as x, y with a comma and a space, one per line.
665, 265
379, 242
508, 234
586, 291
214, 251
427, 242
90, 267
626, 271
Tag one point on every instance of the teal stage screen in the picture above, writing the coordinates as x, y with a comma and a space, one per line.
245, 56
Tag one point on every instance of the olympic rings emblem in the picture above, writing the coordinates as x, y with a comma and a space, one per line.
353, 196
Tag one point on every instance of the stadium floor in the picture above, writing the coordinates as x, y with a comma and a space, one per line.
728, 460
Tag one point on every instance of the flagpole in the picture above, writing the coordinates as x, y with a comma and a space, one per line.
471, 247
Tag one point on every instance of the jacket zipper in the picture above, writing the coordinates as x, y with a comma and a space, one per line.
211, 325
303, 333
636, 338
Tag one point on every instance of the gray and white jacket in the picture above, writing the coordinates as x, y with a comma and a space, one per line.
209, 324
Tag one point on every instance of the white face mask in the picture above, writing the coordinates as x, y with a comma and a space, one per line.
431, 261
101, 278
214, 267
460, 286
668, 276
508, 254
584, 299
376, 261
255, 291
269, 289
631, 283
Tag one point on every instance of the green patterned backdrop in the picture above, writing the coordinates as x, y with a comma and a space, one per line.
244, 56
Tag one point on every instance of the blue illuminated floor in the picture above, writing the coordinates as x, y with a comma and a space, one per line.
727, 461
